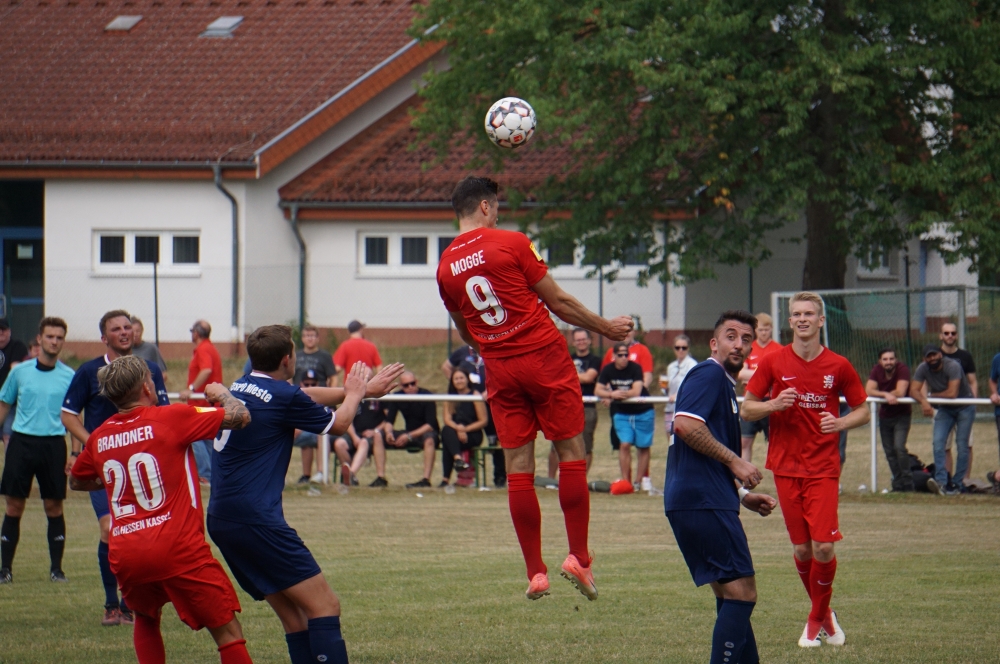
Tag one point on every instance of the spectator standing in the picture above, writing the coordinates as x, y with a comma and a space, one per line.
638, 353
950, 349
37, 446
12, 353
620, 380
588, 366
763, 345
890, 380
677, 371
945, 379
144, 349
464, 422
995, 398
421, 427
315, 359
205, 368
356, 349
469, 360
307, 441
34, 350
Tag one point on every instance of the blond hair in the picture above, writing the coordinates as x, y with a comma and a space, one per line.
122, 380
806, 296
764, 319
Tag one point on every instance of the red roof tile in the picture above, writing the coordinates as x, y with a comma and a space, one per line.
377, 166
72, 91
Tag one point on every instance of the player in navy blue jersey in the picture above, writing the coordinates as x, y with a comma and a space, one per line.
245, 518
700, 493
84, 396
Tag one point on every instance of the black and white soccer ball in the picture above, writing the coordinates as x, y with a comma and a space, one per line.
510, 122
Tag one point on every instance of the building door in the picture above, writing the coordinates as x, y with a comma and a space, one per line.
22, 263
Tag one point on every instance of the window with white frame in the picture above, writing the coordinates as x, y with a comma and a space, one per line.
401, 253
877, 263
118, 252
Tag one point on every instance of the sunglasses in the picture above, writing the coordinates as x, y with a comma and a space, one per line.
411, 384
621, 354
949, 334
680, 347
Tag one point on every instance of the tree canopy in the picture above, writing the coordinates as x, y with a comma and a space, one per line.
878, 120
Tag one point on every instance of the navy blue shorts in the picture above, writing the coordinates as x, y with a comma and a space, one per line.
264, 559
99, 501
713, 543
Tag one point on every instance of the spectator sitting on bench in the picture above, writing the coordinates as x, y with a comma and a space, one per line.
308, 442
353, 447
463, 425
421, 428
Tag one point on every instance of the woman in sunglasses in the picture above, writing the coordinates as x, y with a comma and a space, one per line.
676, 371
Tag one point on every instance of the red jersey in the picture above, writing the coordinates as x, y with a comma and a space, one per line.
797, 447
356, 350
637, 353
487, 274
758, 353
205, 356
144, 459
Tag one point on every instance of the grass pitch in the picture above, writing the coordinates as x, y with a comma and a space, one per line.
440, 578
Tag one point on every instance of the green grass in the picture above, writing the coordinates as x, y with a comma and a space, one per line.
440, 578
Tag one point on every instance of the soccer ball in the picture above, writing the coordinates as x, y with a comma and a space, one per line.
510, 123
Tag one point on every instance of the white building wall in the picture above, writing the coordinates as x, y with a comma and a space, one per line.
77, 290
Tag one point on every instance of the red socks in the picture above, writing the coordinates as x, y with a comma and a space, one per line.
148, 641
804, 568
821, 580
527, 518
235, 652
574, 499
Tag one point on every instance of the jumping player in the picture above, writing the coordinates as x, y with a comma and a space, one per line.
804, 381
141, 458
84, 395
496, 287
700, 494
245, 518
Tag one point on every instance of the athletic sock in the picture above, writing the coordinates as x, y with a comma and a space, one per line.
325, 641
527, 517
107, 578
148, 640
10, 533
574, 499
750, 654
57, 540
822, 589
730, 635
804, 568
235, 652
298, 647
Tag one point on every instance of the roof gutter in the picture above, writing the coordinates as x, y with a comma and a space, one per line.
106, 163
217, 169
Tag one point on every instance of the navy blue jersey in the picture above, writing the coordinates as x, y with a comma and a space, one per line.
84, 393
695, 481
249, 465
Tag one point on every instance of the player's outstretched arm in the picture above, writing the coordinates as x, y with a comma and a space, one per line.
355, 383
572, 311
236, 414
696, 435
379, 385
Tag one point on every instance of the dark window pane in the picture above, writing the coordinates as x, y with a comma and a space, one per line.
186, 250
414, 251
443, 243
147, 248
376, 251
560, 253
636, 254
112, 248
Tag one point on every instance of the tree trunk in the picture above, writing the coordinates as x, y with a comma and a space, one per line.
826, 257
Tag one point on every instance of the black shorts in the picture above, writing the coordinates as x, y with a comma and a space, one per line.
751, 429
28, 457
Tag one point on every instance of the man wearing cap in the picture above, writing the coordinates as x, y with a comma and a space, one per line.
357, 349
12, 353
205, 368
945, 380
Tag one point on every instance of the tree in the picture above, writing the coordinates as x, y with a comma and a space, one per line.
875, 119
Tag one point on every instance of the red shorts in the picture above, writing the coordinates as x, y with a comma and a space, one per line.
809, 505
202, 597
536, 390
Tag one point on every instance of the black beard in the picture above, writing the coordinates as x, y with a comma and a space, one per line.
731, 368
935, 365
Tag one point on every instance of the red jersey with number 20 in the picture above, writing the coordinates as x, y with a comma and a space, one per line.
487, 274
144, 459
797, 447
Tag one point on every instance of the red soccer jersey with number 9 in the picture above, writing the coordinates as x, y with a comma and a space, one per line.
487, 274
145, 462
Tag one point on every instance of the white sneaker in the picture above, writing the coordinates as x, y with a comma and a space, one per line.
837, 638
645, 485
806, 642
317, 478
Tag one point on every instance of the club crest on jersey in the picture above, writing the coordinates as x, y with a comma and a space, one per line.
531, 245
827, 382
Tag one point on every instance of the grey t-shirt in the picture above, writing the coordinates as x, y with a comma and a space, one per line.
150, 353
937, 381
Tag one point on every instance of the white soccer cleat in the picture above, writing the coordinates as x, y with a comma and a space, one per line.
806, 642
837, 638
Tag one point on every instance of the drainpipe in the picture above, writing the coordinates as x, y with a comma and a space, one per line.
217, 169
294, 220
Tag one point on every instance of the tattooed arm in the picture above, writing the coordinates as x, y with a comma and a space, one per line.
236, 414
696, 435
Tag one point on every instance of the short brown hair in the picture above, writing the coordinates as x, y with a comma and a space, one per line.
267, 345
470, 192
114, 313
122, 380
806, 296
764, 319
309, 327
51, 321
